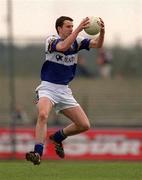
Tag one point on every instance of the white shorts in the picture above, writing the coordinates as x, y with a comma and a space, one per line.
60, 95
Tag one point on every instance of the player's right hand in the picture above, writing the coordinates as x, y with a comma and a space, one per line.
83, 24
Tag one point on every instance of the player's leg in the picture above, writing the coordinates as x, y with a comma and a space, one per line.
44, 107
80, 124
79, 119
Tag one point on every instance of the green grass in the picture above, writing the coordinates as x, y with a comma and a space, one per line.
71, 170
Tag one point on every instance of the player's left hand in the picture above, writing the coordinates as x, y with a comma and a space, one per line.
102, 24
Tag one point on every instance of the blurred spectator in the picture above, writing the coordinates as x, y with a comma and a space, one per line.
104, 62
20, 116
81, 67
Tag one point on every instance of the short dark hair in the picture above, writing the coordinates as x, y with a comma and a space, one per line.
60, 21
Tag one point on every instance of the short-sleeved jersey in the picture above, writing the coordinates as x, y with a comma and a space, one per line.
59, 67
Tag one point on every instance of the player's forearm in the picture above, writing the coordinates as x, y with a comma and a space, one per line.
100, 39
98, 42
66, 44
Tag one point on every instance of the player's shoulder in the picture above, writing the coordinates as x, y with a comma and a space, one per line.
51, 37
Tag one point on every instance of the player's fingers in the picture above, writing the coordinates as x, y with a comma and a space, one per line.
85, 22
100, 19
86, 19
102, 23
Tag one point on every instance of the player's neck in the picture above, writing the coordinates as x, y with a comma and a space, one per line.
62, 36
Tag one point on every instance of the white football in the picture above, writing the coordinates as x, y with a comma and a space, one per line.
94, 26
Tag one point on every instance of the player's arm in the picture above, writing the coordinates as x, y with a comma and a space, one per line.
98, 42
66, 43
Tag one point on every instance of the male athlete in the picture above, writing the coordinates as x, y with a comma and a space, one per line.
56, 73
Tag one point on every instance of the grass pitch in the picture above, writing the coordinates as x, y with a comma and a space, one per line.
71, 170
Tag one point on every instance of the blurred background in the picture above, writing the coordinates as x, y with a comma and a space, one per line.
108, 81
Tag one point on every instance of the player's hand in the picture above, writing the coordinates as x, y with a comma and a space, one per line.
83, 24
102, 25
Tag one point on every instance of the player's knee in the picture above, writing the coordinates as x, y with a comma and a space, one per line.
85, 126
43, 116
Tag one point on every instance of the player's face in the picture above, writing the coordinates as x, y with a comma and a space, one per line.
66, 29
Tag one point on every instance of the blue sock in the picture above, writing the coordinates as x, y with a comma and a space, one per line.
59, 136
39, 148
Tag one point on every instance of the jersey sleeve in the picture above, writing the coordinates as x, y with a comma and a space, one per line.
50, 44
83, 43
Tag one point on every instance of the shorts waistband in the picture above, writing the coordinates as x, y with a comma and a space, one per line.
53, 84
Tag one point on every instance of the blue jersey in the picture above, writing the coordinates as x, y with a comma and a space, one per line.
59, 67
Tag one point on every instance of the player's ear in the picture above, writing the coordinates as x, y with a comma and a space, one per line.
59, 29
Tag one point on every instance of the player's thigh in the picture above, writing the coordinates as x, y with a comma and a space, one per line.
44, 105
77, 115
